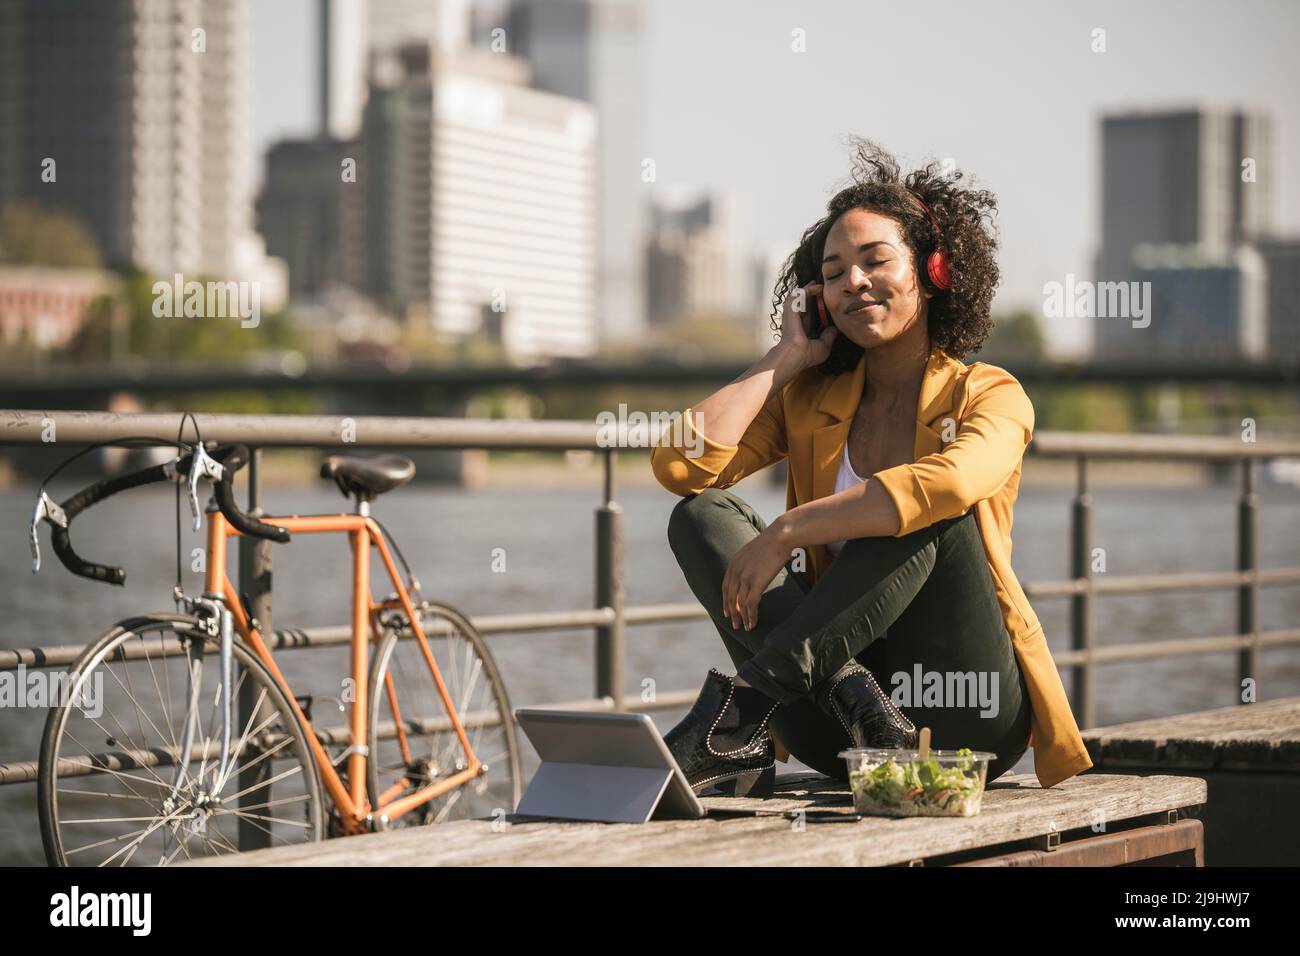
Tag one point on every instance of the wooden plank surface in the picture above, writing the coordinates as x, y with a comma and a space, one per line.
1015, 808
1261, 736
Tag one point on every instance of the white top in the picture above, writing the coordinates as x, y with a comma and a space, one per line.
846, 478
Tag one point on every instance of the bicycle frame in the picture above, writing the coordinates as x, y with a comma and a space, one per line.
353, 806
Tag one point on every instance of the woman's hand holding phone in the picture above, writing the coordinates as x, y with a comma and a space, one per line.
802, 331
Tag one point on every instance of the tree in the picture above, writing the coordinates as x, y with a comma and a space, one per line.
32, 235
1018, 335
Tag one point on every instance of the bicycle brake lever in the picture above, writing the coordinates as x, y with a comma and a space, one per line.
202, 465
45, 510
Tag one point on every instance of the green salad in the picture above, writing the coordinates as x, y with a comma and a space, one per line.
920, 787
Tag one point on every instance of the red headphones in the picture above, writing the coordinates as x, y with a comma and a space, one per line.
938, 266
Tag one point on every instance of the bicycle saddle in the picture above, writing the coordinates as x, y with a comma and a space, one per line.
367, 477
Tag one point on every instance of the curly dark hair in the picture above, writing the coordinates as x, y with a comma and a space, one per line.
959, 319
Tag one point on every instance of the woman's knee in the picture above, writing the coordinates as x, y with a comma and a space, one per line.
962, 531
689, 514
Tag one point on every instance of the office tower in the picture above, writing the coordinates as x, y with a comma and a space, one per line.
135, 111
480, 201
311, 215
692, 267
1282, 263
591, 50
341, 66
1196, 177
1206, 302
311, 209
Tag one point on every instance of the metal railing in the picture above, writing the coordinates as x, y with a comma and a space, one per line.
610, 616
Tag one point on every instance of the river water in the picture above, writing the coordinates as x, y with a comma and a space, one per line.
449, 536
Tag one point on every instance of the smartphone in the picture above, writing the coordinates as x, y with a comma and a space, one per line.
821, 318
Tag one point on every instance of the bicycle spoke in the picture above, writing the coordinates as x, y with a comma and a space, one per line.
143, 834
122, 733
138, 710
247, 731
167, 717
245, 815
274, 803
118, 774
281, 776
252, 819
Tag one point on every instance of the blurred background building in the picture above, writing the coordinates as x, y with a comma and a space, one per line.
695, 261
1206, 302
133, 117
591, 50
481, 198
1185, 197
476, 173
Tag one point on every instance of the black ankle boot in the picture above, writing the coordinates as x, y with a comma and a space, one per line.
869, 717
724, 740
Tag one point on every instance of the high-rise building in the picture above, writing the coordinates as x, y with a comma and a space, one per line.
131, 115
591, 50
397, 133
692, 266
341, 66
1197, 177
480, 197
1205, 303
310, 212
1282, 262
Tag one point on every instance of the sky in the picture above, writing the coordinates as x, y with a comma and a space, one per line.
1012, 92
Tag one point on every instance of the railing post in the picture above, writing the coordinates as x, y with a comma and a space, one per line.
255, 583
1248, 594
1081, 603
609, 589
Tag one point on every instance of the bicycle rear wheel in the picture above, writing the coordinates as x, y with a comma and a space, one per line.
403, 693
110, 792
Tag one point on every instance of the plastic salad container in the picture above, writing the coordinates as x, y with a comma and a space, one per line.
899, 783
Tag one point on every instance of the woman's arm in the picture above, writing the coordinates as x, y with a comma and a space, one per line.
726, 414
740, 428
863, 511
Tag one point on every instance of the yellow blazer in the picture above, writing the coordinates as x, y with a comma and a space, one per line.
990, 423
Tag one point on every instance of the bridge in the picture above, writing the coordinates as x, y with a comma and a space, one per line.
91, 386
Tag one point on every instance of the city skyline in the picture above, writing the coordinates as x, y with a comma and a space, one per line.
1036, 144
1131, 181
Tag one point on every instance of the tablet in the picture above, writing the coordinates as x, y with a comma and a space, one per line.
608, 767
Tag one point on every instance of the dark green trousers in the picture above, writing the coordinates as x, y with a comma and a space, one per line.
919, 611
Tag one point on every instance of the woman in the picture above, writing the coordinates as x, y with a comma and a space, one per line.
904, 464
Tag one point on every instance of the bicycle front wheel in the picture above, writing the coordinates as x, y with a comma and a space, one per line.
413, 744
113, 787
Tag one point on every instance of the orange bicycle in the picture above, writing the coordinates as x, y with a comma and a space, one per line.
146, 759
